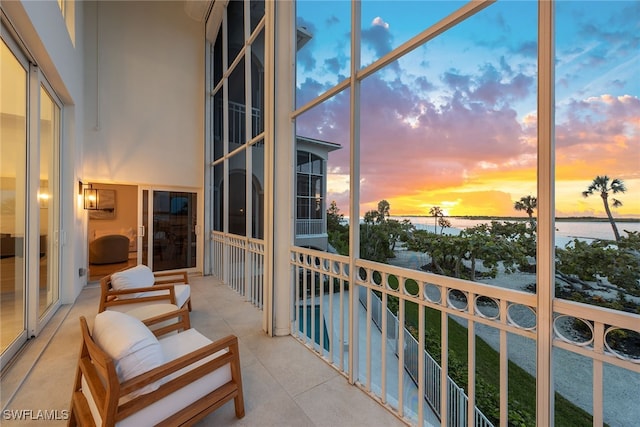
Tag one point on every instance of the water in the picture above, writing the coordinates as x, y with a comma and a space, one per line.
565, 230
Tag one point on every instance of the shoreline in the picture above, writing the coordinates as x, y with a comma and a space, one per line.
519, 218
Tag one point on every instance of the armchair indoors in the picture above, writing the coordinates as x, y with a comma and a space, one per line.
138, 286
110, 249
126, 376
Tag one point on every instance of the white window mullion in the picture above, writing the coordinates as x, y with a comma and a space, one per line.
354, 190
226, 257
32, 232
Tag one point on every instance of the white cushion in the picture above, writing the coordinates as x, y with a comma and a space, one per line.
136, 277
174, 346
132, 346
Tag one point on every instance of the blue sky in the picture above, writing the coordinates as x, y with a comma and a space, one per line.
454, 121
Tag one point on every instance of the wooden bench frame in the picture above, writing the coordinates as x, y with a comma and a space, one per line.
99, 372
163, 281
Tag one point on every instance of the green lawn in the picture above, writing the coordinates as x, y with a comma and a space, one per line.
522, 386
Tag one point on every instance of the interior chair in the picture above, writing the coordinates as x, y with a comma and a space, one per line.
126, 376
110, 249
138, 286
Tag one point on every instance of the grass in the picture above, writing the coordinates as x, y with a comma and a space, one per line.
522, 385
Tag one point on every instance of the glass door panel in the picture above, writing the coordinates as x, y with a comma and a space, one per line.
47, 201
169, 218
174, 238
13, 174
143, 241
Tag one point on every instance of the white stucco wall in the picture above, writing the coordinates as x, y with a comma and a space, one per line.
144, 116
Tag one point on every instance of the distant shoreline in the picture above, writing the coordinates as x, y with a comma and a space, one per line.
519, 218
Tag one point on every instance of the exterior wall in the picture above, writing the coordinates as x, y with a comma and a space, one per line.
144, 120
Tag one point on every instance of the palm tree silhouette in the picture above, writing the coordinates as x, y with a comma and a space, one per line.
527, 204
436, 211
601, 185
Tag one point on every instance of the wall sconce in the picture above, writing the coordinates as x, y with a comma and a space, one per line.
43, 200
91, 200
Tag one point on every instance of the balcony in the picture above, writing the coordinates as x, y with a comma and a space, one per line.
311, 227
284, 383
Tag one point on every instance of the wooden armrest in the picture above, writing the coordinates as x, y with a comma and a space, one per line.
171, 277
109, 301
182, 322
153, 288
231, 356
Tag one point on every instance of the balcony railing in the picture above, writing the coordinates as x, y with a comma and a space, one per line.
309, 227
433, 373
324, 279
329, 318
239, 262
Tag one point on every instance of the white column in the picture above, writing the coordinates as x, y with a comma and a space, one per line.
545, 277
281, 150
354, 189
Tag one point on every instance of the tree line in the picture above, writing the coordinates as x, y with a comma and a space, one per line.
510, 245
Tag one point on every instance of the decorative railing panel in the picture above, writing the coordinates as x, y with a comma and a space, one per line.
321, 279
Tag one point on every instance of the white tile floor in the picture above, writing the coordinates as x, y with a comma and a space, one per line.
285, 384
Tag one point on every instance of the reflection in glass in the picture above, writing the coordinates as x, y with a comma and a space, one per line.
257, 190
13, 108
174, 230
237, 194
235, 29
218, 182
257, 86
237, 107
256, 10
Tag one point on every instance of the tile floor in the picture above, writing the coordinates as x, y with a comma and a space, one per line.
285, 384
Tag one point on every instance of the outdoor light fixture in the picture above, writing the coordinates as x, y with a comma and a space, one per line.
91, 200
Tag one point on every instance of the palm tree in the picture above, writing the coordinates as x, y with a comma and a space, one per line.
527, 204
601, 185
436, 212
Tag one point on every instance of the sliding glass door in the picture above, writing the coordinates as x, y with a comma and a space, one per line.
169, 229
30, 117
13, 190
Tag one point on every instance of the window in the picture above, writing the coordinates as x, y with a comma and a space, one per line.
310, 195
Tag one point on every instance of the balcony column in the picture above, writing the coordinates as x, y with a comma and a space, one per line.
545, 271
282, 221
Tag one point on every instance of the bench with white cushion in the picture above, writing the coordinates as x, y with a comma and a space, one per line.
139, 286
126, 376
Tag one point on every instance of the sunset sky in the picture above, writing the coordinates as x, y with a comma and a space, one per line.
453, 123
